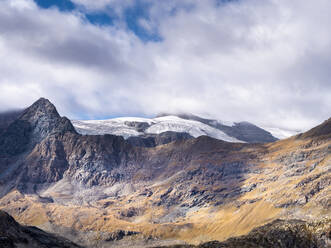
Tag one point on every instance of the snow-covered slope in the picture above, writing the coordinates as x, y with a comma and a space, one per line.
116, 126
183, 123
282, 133
194, 128
132, 126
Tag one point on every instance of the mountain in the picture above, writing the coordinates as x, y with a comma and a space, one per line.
14, 235
190, 124
106, 191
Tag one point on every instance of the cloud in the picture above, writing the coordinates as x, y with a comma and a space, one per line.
262, 61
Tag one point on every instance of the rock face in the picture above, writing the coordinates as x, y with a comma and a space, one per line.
13, 235
37, 124
169, 186
152, 140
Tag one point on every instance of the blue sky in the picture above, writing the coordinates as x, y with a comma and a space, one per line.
106, 17
239, 60
63, 5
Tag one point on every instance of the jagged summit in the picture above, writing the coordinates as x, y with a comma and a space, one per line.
44, 118
33, 125
39, 108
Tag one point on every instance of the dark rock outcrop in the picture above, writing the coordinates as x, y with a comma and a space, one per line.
139, 126
119, 235
14, 235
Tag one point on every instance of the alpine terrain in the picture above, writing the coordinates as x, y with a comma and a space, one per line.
195, 126
171, 181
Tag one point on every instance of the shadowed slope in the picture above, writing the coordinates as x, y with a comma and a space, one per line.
13, 235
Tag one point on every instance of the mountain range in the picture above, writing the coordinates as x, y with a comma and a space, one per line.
170, 180
195, 126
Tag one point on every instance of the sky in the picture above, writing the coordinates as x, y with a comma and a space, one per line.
263, 61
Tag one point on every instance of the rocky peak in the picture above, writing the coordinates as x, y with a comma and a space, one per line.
44, 119
40, 108
35, 123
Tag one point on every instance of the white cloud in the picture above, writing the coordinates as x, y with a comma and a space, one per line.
21, 4
262, 61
